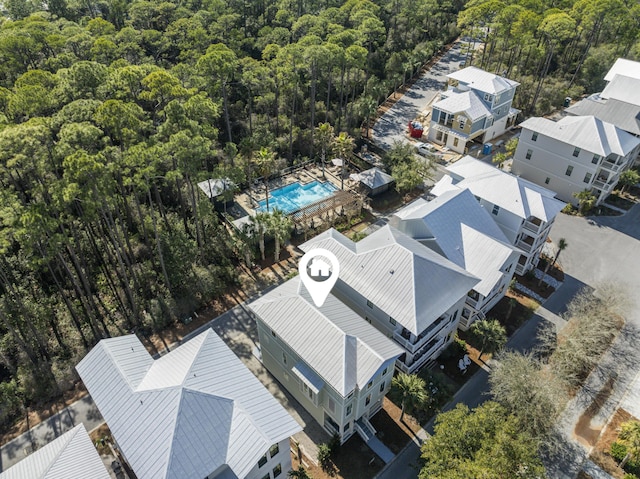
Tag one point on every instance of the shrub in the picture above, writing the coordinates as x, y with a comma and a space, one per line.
324, 455
619, 452
456, 349
630, 476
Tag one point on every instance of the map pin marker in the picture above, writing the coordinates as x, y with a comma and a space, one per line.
319, 270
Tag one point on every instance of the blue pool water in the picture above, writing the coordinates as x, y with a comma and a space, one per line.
295, 196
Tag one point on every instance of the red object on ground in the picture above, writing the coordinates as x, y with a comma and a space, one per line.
415, 129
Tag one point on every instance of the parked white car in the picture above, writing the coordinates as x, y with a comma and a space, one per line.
424, 149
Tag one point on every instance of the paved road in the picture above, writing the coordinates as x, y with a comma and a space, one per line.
392, 125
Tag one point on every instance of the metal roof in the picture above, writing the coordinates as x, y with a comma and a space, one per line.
625, 67
625, 116
468, 102
623, 88
483, 81
186, 414
336, 344
463, 231
215, 187
375, 178
512, 193
405, 279
70, 456
585, 132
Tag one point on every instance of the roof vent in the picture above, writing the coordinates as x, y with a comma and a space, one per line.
392, 271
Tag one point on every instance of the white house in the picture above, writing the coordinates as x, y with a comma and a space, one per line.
619, 102
574, 154
195, 412
70, 456
475, 107
407, 291
523, 210
458, 227
334, 363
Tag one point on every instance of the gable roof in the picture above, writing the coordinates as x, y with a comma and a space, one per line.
405, 279
374, 178
463, 231
335, 342
70, 456
468, 102
585, 132
484, 81
623, 88
619, 113
512, 193
625, 67
187, 414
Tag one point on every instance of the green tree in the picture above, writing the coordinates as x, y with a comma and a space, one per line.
627, 179
324, 137
586, 201
630, 436
265, 165
413, 391
561, 246
300, 473
260, 226
343, 146
488, 335
280, 226
407, 177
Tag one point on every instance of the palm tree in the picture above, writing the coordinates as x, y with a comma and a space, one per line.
512, 304
259, 226
343, 145
586, 200
489, 334
562, 245
630, 435
324, 138
300, 473
280, 227
627, 179
368, 108
265, 161
413, 390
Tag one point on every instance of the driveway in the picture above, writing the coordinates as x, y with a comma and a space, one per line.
393, 124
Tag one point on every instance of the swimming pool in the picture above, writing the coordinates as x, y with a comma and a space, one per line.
296, 195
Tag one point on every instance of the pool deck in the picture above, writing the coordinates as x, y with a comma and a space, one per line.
248, 199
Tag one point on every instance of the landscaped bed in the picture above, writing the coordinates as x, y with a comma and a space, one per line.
601, 453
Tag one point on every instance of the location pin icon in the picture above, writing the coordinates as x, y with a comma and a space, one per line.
317, 275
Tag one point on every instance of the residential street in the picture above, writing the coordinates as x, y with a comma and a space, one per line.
392, 125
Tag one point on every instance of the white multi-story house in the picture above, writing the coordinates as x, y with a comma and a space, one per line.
194, 412
331, 360
619, 102
575, 153
70, 456
523, 210
475, 107
458, 227
407, 291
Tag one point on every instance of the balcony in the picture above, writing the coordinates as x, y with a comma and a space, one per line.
611, 164
423, 355
603, 184
413, 346
532, 226
525, 245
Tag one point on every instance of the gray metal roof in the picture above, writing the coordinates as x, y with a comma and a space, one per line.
375, 178
625, 116
585, 132
625, 67
215, 186
467, 102
70, 456
463, 231
186, 414
482, 80
405, 279
337, 344
623, 88
512, 193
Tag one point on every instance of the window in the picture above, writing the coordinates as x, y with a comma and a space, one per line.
370, 384
455, 141
308, 392
266, 476
528, 155
534, 136
587, 178
277, 470
392, 321
546, 182
349, 410
576, 151
495, 210
284, 358
438, 135
595, 160
346, 427
273, 333
463, 122
332, 405
382, 386
569, 170
384, 371
368, 400
367, 319
370, 304
275, 449
488, 97
262, 461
